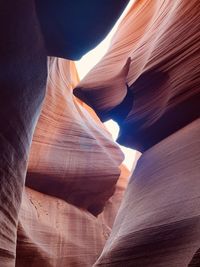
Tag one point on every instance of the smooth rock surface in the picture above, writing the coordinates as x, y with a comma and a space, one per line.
72, 156
162, 39
158, 223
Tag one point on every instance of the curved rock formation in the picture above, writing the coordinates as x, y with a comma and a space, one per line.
23, 74
158, 223
149, 83
72, 156
162, 38
52, 232
73, 169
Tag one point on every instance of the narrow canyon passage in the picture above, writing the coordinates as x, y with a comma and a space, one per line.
69, 196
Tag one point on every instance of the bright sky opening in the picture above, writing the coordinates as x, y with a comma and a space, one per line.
86, 63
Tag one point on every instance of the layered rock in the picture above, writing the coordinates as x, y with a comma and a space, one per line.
73, 170
158, 223
52, 232
72, 156
156, 52
148, 82
23, 75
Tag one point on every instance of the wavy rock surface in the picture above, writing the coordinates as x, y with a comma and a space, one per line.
52, 232
149, 82
22, 88
73, 169
162, 39
72, 156
23, 74
158, 223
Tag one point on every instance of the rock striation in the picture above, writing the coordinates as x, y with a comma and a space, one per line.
155, 51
